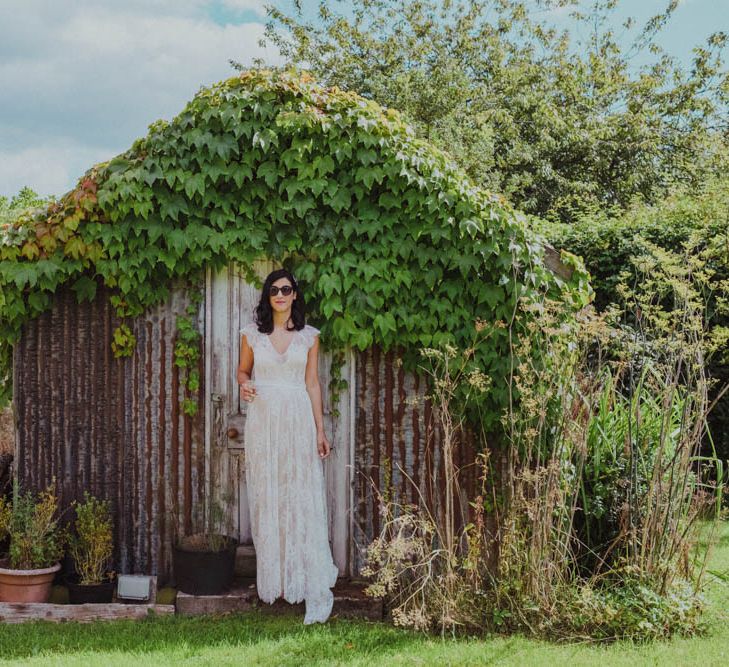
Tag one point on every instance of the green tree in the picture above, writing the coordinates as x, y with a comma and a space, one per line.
559, 123
26, 198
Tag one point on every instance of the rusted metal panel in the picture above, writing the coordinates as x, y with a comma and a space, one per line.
398, 448
115, 427
111, 426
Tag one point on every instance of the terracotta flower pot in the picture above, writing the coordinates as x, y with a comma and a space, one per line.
27, 585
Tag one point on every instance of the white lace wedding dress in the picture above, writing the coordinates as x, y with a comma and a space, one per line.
285, 478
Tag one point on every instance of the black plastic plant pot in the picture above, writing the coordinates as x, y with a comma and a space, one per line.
90, 593
201, 571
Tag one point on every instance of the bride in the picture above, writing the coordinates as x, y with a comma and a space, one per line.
285, 444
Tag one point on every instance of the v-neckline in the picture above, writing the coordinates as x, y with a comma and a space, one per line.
273, 347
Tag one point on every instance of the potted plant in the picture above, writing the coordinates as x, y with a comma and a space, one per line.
4, 535
35, 548
91, 548
204, 563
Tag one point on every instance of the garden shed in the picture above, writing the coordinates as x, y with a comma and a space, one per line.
123, 302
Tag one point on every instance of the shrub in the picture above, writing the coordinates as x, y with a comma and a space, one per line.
36, 540
91, 547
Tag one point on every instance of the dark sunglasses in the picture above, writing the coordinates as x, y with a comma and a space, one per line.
285, 290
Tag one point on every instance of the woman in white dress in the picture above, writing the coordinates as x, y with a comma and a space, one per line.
285, 445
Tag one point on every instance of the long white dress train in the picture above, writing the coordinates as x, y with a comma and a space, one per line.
285, 478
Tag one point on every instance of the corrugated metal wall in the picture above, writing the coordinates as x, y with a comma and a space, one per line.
111, 426
114, 427
398, 445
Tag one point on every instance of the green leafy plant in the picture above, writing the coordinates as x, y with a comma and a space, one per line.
691, 222
36, 539
393, 245
187, 353
92, 544
5, 517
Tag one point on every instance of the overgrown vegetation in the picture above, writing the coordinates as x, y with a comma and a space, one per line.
598, 507
561, 123
689, 222
382, 230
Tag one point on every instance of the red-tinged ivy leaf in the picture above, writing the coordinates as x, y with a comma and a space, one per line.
48, 243
75, 247
30, 250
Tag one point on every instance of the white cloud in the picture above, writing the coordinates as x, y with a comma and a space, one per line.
82, 81
52, 168
246, 5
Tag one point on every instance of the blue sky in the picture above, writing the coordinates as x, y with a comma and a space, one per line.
81, 79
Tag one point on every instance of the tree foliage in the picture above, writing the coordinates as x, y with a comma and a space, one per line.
391, 242
689, 222
27, 198
559, 123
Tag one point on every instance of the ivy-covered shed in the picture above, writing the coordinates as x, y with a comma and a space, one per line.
121, 305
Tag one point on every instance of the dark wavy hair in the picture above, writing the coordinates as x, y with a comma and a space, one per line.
264, 312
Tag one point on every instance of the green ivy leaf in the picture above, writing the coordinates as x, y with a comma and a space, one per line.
85, 289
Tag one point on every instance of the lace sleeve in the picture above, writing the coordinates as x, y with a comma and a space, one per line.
309, 335
250, 331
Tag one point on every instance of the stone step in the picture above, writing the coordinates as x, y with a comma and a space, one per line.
245, 561
349, 602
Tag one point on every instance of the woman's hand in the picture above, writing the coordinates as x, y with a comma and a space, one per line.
322, 445
247, 391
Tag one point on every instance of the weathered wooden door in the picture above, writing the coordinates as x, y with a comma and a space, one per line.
230, 302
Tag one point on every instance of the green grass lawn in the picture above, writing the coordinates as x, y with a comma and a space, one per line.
261, 639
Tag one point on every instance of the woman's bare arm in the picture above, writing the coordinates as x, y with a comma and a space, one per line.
245, 366
314, 390
312, 384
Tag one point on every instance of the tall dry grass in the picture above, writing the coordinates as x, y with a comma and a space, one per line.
597, 512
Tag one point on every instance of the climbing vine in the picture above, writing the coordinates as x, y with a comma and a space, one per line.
187, 352
390, 241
